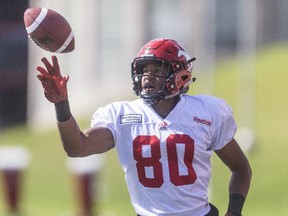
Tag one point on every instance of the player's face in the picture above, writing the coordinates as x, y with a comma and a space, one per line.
154, 76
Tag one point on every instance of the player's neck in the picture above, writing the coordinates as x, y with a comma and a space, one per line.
166, 106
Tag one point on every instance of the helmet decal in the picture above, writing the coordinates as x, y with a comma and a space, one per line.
183, 53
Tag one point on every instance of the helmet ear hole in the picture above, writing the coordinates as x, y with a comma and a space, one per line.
184, 78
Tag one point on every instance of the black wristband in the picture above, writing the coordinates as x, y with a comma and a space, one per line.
63, 112
236, 202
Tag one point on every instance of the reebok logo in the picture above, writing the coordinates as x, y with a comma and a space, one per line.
203, 121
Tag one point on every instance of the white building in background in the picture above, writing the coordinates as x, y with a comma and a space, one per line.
107, 38
109, 34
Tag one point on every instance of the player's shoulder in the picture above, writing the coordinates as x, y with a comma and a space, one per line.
116, 108
124, 105
205, 99
212, 103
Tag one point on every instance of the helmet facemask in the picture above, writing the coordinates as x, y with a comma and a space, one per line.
177, 81
170, 54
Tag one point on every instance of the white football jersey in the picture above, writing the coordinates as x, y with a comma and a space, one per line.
167, 161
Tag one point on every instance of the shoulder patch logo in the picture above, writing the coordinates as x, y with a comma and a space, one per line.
130, 118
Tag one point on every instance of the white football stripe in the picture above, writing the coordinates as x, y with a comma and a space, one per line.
66, 43
37, 21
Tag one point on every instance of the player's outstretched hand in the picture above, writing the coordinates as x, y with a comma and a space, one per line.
54, 84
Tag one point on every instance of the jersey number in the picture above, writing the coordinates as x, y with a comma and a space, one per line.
153, 160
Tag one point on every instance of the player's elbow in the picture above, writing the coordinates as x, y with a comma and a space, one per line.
73, 152
247, 168
244, 172
249, 171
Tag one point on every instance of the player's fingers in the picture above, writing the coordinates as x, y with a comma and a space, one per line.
65, 80
56, 68
48, 66
41, 77
43, 72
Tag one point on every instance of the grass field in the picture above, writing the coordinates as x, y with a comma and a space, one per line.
48, 187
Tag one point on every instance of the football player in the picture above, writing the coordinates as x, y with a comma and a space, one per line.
164, 139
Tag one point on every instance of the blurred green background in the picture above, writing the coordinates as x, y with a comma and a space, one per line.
48, 187
221, 34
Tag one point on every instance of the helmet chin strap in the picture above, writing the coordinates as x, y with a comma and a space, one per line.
178, 92
171, 95
161, 95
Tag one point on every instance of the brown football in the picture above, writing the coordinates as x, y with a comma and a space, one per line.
49, 30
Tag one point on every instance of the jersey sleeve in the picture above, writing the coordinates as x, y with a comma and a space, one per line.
226, 125
103, 118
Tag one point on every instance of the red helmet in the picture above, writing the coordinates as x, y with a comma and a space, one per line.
165, 51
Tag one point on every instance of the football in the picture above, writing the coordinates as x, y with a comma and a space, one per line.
49, 30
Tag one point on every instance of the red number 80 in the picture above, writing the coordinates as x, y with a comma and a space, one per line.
154, 160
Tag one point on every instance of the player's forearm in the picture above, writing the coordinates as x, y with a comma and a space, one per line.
70, 133
240, 180
238, 190
71, 137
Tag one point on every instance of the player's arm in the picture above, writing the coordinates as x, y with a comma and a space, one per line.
79, 143
76, 143
232, 155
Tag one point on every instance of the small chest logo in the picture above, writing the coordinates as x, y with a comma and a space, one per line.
130, 118
163, 126
203, 121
